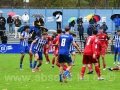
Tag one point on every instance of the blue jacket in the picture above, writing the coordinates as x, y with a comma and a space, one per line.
117, 21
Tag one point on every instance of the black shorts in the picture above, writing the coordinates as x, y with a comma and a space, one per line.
64, 58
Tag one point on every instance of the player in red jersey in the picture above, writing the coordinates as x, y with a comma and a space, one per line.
103, 40
46, 50
55, 53
88, 56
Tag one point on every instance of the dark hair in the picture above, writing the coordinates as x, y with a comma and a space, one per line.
95, 32
59, 31
101, 28
67, 29
26, 27
118, 30
44, 33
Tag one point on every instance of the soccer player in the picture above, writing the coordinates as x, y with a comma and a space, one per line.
116, 46
46, 49
38, 49
65, 41
55, 54
24, 46
115, 68
103, 39
88, 57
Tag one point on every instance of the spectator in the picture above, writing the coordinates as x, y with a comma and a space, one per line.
72, 25
17, 23
4, 39
25, 18
36, 24
81, 31
98, 27
89, 30
117, 23
105, 27
41, 22
58, 20
3, 20
10, 23
92, 21
79, 20
2, 28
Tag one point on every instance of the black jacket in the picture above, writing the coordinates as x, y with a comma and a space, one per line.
4, 20
9, 20
79, 20
80, 29
104, 27
89, 30
92, 21
17, 23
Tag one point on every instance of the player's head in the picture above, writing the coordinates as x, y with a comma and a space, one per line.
101, 30
44, 35
67, 29
94, 32
27, 28
59, 31
118, 32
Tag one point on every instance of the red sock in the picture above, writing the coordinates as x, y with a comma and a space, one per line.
65, 67
97, 70
115, 68
58, 64
104, 65
47, 58
83, 71
99, 65
53, 61
90, 68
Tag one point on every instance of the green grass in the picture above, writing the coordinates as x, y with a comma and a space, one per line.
48, 79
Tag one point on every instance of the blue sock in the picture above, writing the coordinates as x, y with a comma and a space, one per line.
39, 65
60, 76
115, 58
118, 58
20, 64
66, 72
73, 61
34, 65
30, 64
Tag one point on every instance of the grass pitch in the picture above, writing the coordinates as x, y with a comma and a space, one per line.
11, 78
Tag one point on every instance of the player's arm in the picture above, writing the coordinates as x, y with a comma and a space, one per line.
32, 44
75, 45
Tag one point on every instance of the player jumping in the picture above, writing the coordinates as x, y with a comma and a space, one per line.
24, 46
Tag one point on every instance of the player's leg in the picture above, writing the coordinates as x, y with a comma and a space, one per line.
104, 62
90, 69
30, 57
115, 55
55, 55
35, 61
47, 56
118, 55
40, 61
73, 57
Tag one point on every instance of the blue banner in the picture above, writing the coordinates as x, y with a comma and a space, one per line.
13, 48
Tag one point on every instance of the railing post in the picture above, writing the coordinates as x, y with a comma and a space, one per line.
95, 10
29, 14
45, 16
111, 20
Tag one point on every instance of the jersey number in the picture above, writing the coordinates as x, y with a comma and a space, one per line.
63, 42
88, 42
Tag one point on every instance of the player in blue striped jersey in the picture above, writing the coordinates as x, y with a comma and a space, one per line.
38, 49
24, 46
117, 46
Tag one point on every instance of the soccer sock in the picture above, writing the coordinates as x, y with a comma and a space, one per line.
53, 61
58, 64
104, 65
39, 65
115, 58
20, 64
116, 68
35, 62
97, 70
47, 57
64, 67
83, 71
66, 72
90, 68
73, 61
60, 76
118, 58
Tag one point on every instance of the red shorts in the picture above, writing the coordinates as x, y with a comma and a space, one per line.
103, 50
55, 53
46, 50
87, 59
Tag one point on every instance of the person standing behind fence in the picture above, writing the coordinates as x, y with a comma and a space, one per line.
41, 22
117, 23
25, 18
105, 27
17, 23
79, 20
92, 21
2, 28
10, 23
90, 30
81, 31
58, 20
72, 25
